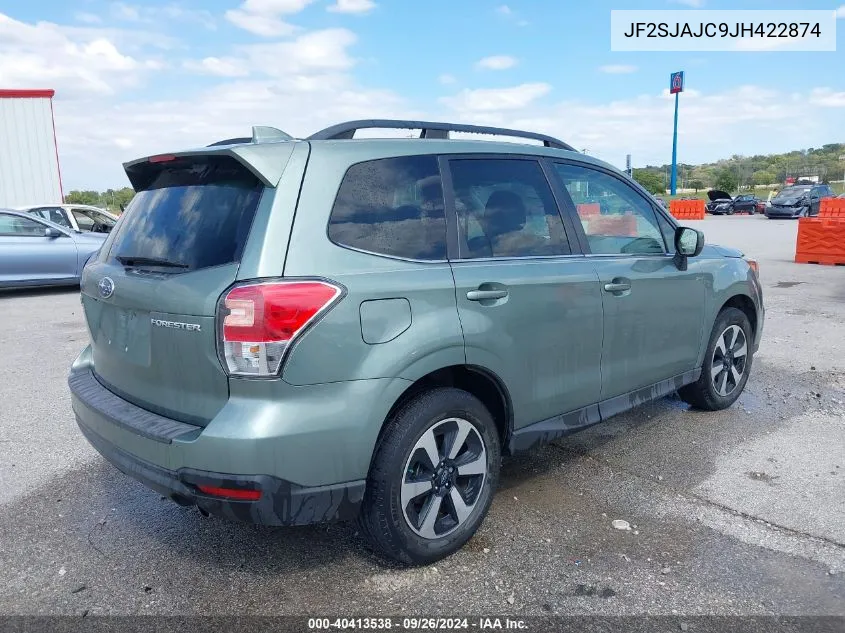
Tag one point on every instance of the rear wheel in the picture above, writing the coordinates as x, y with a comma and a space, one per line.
432, 478
727, 363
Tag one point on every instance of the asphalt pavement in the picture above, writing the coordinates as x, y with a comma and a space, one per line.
738, 512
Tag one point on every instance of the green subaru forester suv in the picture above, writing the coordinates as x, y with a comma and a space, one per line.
286, 331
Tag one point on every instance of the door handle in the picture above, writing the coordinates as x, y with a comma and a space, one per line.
486, 295
617, 286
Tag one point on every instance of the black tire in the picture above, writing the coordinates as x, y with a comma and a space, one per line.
704, 393
383, 519
730, 211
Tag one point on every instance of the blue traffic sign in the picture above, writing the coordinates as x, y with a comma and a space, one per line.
676, 82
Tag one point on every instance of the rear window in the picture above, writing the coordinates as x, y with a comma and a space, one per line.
193, 212
392, 206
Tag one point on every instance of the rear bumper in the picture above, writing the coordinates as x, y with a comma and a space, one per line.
281, 502
307, 448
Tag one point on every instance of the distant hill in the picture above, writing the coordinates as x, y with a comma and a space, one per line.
749, 171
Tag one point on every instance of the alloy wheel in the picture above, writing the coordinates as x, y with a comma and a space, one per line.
443, 478
729, 360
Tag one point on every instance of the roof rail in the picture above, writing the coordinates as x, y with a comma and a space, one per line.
430, 129
260, 134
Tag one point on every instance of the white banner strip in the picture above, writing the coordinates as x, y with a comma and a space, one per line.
708, 30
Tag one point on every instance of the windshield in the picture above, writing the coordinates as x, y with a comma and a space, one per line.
793, 192
88, 219
192, 216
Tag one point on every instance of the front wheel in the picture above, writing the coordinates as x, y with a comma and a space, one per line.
727, 363
432, 478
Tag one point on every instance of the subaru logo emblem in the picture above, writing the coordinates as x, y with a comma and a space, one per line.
106, 286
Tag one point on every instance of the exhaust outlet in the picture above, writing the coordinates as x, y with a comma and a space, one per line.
203, 512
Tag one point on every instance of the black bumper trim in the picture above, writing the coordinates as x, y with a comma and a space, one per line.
85, 386
281, 503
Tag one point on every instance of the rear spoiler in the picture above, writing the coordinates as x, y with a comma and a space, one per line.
265, 155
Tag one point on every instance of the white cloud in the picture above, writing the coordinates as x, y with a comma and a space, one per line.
446, 79
156, 15
264, 25
262, 17
88, 18
504, 10
840, 12
127, 12
618, 69
695, 4
352, 6
73, 61
221, 67
496, 99
709, 123
827, 98
497, 62
315, 52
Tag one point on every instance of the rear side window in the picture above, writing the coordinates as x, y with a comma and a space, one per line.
505, 208
193, 212
392, 206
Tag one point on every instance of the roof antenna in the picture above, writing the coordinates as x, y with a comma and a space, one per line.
265, 134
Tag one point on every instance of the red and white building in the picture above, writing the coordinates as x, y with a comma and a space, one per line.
29, 158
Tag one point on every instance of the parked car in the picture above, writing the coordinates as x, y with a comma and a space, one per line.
721, 202
662, 201
290, 331
37, 252
746, 203
761, 206
841, 196
798, 201
77, 217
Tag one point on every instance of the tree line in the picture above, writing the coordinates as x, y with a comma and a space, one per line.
731, 175
115, 200
744, 172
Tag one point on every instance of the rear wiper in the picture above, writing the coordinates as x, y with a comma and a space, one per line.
128, 260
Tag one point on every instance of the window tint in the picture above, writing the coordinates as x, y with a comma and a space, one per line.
195, 211
668, 232
505, 208
88, 219
85, 222
55, 215
615, 217
16, 225
392, 206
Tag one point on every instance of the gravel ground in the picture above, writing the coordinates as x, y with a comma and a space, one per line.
732, 513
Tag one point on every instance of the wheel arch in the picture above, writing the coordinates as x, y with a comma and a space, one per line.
745, 304
479, 381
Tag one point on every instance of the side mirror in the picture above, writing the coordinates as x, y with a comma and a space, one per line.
51, 232
688, 243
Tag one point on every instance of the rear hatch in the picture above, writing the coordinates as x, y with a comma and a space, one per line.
151, 297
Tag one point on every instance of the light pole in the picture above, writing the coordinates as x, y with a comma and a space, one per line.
676, 87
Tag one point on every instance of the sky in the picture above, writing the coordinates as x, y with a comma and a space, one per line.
139, 78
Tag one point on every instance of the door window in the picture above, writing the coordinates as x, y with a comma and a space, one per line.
616, 218
505, 208
18, 226
392, 206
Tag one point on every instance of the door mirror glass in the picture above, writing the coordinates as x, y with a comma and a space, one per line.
688, 242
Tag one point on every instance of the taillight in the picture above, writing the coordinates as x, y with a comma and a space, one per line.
260, 322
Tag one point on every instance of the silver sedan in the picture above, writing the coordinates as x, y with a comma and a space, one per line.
37, 252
